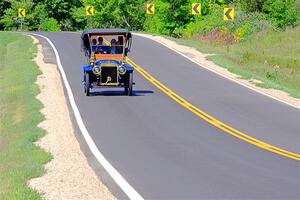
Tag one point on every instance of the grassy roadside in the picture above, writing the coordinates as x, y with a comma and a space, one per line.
271, 57
20, 159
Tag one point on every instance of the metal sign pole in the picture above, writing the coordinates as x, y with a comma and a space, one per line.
196, 10
196, 24
90, 22
22, 20
150, 10
151, 22
90, 12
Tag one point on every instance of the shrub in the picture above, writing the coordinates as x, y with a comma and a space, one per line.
49, 25
213, 27
169, 17
282, 12
242, 32
250, 6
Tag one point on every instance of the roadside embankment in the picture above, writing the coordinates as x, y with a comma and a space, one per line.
20, 159
33, 105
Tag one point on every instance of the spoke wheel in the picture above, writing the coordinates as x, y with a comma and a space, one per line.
130, 84
87, 84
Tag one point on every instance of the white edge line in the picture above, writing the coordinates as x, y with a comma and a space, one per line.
116, 176
212, 70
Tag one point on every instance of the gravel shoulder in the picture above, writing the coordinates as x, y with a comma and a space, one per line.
69, 175
202, 60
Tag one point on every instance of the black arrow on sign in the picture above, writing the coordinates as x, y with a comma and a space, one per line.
21, 12
89, 10
228, 14
195, 8
150, 8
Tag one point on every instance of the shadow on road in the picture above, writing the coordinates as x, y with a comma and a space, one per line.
120, 93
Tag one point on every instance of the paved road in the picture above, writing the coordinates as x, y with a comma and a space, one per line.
166, 152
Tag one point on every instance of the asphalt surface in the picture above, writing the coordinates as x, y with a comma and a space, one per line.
165, 151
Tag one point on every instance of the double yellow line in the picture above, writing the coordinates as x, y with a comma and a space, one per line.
208, 118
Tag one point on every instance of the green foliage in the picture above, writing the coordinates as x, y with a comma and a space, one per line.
49, 25
250, 6
60, 11
205, 24
111, 13
3, 6
12, 12
282, 13
212, 27
160, 23
70, 14
171, 18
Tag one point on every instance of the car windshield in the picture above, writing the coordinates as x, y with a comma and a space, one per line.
109, 44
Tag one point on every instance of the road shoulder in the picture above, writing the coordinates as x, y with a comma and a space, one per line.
69, 175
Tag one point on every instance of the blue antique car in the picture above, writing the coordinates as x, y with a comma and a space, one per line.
106, 51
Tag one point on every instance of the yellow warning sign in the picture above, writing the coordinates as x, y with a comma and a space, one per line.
89, 10
196, 8
21, 12
228, 14
150, 9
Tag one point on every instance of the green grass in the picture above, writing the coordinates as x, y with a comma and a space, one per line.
20, 159
271, 57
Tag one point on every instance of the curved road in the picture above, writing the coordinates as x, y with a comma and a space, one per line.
164, 151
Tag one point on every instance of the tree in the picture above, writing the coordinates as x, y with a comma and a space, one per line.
250, 6
61, 11
282, 12
111, 13
3, 6
169, 16
12, 12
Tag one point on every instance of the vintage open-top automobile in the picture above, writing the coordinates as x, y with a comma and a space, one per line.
106, 51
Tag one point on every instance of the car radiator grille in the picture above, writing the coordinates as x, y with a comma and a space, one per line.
109, 75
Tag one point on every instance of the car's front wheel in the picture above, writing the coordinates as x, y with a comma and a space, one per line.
87, 84
130, 84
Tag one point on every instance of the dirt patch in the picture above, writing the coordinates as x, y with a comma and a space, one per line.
202, 60
216, 36
69, 175
18, 116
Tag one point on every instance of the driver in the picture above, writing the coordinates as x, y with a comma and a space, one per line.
95, 48
103, 49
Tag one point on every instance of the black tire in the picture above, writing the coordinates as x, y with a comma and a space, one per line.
87, 84
130, 84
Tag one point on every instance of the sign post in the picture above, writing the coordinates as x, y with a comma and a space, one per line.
150, 10
196, 10
21, 15
90, 12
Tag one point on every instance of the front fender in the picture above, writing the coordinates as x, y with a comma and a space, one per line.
87, 68
129, 68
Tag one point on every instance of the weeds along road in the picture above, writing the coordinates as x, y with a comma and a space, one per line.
165, 151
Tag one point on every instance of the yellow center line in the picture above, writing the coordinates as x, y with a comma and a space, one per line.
210, 119
213, 121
